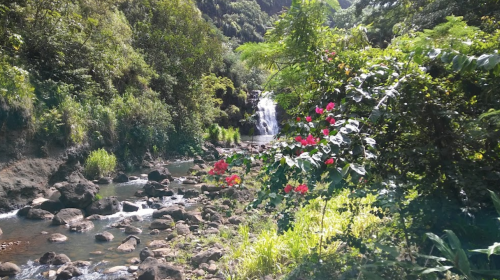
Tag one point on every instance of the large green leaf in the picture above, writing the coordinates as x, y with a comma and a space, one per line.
496, 201
492, 250
441, 246
358, 168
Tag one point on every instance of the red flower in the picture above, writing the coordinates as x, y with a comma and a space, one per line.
233, 180
329, 161
303, 142
220, 167
326, 131
330, 120
308, 118
211, 172
298, 119
333, 53
302, 189
330, 106
298, 138
310, 140
288, 188
319, 110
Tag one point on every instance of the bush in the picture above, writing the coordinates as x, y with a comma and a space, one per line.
215, 133
99, 163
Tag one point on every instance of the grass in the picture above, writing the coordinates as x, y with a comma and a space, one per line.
99, 163
270, 253
230, 135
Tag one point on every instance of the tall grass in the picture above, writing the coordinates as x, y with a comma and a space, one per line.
275, 254
99, 163
229, 136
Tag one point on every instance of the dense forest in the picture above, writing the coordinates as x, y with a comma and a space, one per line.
386, 167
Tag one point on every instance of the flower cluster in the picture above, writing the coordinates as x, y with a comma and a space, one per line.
310, 140
302, 189
220, 168
233, 180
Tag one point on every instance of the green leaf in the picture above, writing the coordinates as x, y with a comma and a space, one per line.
335, 176
492, 250
434, 53
496, 201
458, 62
453, 240
435, 269
441, 246
358, 168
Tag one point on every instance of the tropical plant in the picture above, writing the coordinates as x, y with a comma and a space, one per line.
99, 163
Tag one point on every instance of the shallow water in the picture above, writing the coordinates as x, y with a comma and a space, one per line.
80, 246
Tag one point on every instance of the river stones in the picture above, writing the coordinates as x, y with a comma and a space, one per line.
158, 244
104, 236
132, 230
163, 223
67, 272
115, 269
175, 211
53, 206
129, 207
145, 253
191, 194
155, 189
182, 229
82, 226
104, 181
120, 178
1, 232
9, 269
128, 244
151, 268
57, 238
77, 195
159, 174
211, 254
53, 258
39, 214
61, 259
68, 216
106, 206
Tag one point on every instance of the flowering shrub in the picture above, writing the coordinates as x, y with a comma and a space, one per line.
220, 168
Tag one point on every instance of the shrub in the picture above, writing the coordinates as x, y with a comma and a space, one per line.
99, 163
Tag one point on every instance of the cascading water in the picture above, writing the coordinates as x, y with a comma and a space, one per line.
266, 111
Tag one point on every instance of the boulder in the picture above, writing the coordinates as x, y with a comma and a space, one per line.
145, 253
132, 230
158, 244
82, 226
133, 178
129, 207
159, 174
182, 229
9, 269
198, 160
152, 269
210, 188
104, 236
57, 237
128, 244
53, 206
211, 254
67, 216
104, 181
236, 220
189, 182
39, 214
47, 258
78, 195
191, 193
115, 269
60, 259
68, 272
155, 189
162, 224
194, 217
120, 178
106, 206
175, 211
23, 211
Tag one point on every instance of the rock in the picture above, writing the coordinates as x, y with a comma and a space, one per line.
134, 261
133, 178
60, 259
161, 252
191, 193
129, 207
104, 181
67, 216
82, 226
152, 269
106, 206
94, 217
212, 269
194, 217
182, 229
199, 272
120, 178
159, 174
133, 268
53, 206
236, 220
162, 224
132, 230
47, 258
38, 201
81, 263
23, 211
155, 189
115, 269
9, 269
158, 244
241, 195
210, 188
213, 231
198, 160
174, 211
189, 182
68, 272
165, 182
205, 256
1, 232
128, 244
57, 237
78, 195
154, 232
145, 253
104, 236
140, 193
39, 214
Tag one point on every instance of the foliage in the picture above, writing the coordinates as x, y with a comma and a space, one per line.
229, 136
99, 163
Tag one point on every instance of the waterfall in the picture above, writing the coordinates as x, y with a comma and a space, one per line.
266, 112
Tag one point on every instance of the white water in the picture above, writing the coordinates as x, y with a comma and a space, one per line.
266, 110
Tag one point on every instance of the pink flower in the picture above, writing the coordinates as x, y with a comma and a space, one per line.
329, 161
319, 110
330, 106
330, 120
288, 189
298, 119
303, 142
326, 131
211, 172
333, 53
310, 140
298, 138
302, 189
309, 119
